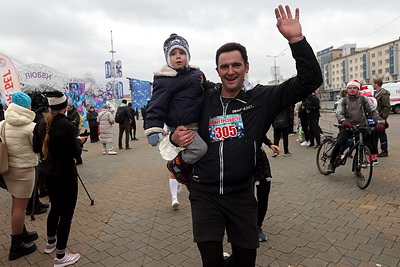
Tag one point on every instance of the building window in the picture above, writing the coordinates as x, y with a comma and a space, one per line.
387, 70
356, 68
350, 61
373, 64
373, 72
380, 63
387, 61
380, 53
355, 60
379, 71
373, 55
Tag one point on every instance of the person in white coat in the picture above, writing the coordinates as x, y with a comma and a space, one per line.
18, 130
106, 120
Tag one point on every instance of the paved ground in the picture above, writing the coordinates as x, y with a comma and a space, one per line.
313, 220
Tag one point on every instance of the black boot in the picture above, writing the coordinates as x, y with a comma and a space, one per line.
19, 248
29, 236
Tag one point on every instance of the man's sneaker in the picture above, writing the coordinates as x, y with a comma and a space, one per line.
375, 162
331, 168
68, 259
275, 154
305, 143
287, 154
261, 236
383, 155
49, 248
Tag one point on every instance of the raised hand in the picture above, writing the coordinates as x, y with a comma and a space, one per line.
288, 26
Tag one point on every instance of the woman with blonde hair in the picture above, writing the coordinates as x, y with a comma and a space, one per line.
17, 128
55, 137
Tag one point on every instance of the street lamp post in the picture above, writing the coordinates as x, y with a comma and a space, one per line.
114, 89
275, 72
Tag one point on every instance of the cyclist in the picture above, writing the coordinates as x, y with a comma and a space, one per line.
351, 111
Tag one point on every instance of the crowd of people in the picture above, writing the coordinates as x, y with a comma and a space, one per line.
210, 123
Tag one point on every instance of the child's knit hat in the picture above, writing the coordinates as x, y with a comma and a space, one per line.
175, 41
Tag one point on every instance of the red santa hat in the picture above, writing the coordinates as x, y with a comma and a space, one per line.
355, 83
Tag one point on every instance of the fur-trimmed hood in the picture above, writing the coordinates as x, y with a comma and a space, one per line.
167, 71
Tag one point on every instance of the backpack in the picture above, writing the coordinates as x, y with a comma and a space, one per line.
118, 115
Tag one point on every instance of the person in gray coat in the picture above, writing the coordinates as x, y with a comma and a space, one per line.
106, 120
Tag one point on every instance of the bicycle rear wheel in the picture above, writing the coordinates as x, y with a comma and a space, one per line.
324, 155
363, 166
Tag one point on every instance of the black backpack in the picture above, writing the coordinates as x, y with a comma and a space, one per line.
118, 115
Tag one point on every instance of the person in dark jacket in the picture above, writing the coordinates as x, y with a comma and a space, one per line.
55, 137
91, 116
176, 100
132, 128
124, 120
263, 177
302, 113
383, 98
1, 112
281, 127
222, 186
312, 109
74, 116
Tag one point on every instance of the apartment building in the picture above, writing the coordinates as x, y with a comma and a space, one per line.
348, 62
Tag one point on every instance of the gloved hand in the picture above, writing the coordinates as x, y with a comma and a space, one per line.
346, 124
154, 138
380, 127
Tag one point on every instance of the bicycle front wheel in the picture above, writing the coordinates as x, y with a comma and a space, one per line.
324, 155
362, 163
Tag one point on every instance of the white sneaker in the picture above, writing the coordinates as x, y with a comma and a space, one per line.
112, 152
175, 204
68, 259
104, 152
305, 143
49, 248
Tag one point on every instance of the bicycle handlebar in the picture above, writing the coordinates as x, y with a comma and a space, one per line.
357, 128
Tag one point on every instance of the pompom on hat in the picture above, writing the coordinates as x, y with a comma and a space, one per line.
175, 41
355, 83
21, 99
57, 100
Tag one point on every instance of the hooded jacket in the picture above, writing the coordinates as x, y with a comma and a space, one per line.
228, 165
19, 133
106, 120
176, 99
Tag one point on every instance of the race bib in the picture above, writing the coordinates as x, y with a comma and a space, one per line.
226, 127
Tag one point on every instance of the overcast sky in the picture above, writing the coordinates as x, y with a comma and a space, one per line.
73, 36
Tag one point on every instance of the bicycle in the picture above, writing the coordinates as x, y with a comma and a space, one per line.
362, 165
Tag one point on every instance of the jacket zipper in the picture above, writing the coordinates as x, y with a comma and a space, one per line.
221, 156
